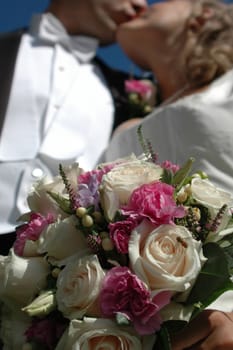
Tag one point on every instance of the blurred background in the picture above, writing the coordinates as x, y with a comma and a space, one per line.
16, 14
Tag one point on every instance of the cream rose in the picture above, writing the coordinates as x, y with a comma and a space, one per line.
207, 194
21, 278
166, 258
61, 239
78, 287
118, 184
94, 334
40, 201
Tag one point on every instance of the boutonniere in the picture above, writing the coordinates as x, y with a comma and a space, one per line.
141, 96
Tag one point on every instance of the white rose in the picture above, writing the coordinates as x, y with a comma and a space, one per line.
207, 194
78, 287
166, 258
213, 198
41, 202
13, 326
22, 278
62, 239
118, 184
95, 334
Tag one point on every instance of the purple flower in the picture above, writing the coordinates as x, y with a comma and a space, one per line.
123, 292
88, 194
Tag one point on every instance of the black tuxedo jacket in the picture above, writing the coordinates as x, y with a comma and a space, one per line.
9, 44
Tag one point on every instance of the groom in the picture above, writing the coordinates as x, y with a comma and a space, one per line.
58, 102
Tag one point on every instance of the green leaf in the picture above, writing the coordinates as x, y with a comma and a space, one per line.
182, 173
167, 177
122, 319
213, 280
62, 202
226, 243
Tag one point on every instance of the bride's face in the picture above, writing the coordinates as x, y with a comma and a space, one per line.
154, 30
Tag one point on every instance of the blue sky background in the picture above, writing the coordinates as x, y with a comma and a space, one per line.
17, 13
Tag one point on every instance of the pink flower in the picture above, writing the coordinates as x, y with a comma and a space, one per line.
123, 292
31, 230
154, 201
85, 178
46, 332
120, 233
139, 87
170, 166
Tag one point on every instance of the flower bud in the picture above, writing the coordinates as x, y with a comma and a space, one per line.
87, 221
107, 244
55, 272
196, 213
182, 196
81, 211
98, 217
42, 305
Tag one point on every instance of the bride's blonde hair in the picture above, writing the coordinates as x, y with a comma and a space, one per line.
209, 50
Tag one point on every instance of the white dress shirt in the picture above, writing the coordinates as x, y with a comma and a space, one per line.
60, 111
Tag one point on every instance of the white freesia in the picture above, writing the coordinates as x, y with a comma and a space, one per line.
78, 287
62, 239
41, 202
13, 326
166, 258
96, 334
21, 279
118, 184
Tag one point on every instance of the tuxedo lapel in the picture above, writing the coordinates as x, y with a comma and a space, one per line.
116, 83
9, 44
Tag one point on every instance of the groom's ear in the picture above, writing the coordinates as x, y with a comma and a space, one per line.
197, 22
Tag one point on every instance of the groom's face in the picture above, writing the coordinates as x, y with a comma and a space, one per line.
100, 18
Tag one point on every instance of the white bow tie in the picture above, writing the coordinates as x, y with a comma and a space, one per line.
49, 29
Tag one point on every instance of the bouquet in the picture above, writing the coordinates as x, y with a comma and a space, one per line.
117, 257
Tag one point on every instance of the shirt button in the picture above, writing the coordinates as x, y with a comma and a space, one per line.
61, 69
37, 173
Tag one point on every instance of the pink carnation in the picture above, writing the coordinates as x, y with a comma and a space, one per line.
120, 232
31, 231
123, 292
154, 201
85, 178
139, 87
46, 332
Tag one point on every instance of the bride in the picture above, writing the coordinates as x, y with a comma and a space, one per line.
188, 46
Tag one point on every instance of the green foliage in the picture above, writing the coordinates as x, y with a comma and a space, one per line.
213, 280
162, 339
